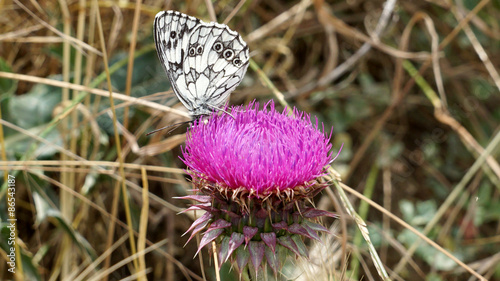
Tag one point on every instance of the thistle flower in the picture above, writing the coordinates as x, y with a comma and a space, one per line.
256, 172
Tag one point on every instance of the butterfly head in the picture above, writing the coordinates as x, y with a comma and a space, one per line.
201, 109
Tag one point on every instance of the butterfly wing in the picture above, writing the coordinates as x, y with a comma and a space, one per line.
205, 64
171, 32
216, 63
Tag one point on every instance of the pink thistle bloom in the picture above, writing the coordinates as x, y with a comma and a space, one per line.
257, 171
259, 150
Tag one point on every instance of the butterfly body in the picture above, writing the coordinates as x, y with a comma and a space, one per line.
204, 62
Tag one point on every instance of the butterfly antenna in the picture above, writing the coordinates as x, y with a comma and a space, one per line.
176, 125
223, 110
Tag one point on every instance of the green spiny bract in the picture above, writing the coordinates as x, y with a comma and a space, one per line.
250, 231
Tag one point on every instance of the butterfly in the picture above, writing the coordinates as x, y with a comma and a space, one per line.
204, 61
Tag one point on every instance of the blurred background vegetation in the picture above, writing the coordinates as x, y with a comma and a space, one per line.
411, 91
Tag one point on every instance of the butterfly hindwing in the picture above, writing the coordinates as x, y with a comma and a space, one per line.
204, 61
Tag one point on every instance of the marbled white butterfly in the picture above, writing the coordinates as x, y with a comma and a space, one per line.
203, 61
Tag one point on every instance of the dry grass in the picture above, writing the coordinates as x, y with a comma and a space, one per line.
410, 88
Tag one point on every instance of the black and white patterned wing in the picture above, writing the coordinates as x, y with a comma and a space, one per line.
171, 32
216, 63
205, 65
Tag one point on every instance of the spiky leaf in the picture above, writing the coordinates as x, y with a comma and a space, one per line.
249, 232
208, 237
198, 225
315, 226
236, 241
310, 231
207, 207
197, 229
288, 243
272, 260
300, 245
204, 218
219, 224
231, 214
314, 213
298, 229
280, 225
191, 208
242, 257
224, 250
262, 214
256, 250
270, 240
198, 198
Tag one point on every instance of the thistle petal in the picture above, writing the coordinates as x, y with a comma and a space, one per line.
270, 240
253, 149
256, 250
208, 237
249, 232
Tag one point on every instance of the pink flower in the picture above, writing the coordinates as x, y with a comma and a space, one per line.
256, 171
260, 150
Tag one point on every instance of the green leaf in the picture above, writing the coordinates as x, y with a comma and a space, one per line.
425, 212
442, 262
482, 88
43, 206
7, 86
35, 107
18, 144
407, 209
148, 76
375, 235
433, 277
419, 215
390, 155
30, 268
429, 254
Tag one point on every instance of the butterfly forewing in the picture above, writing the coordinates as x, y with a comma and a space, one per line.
203, 61
171, 30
